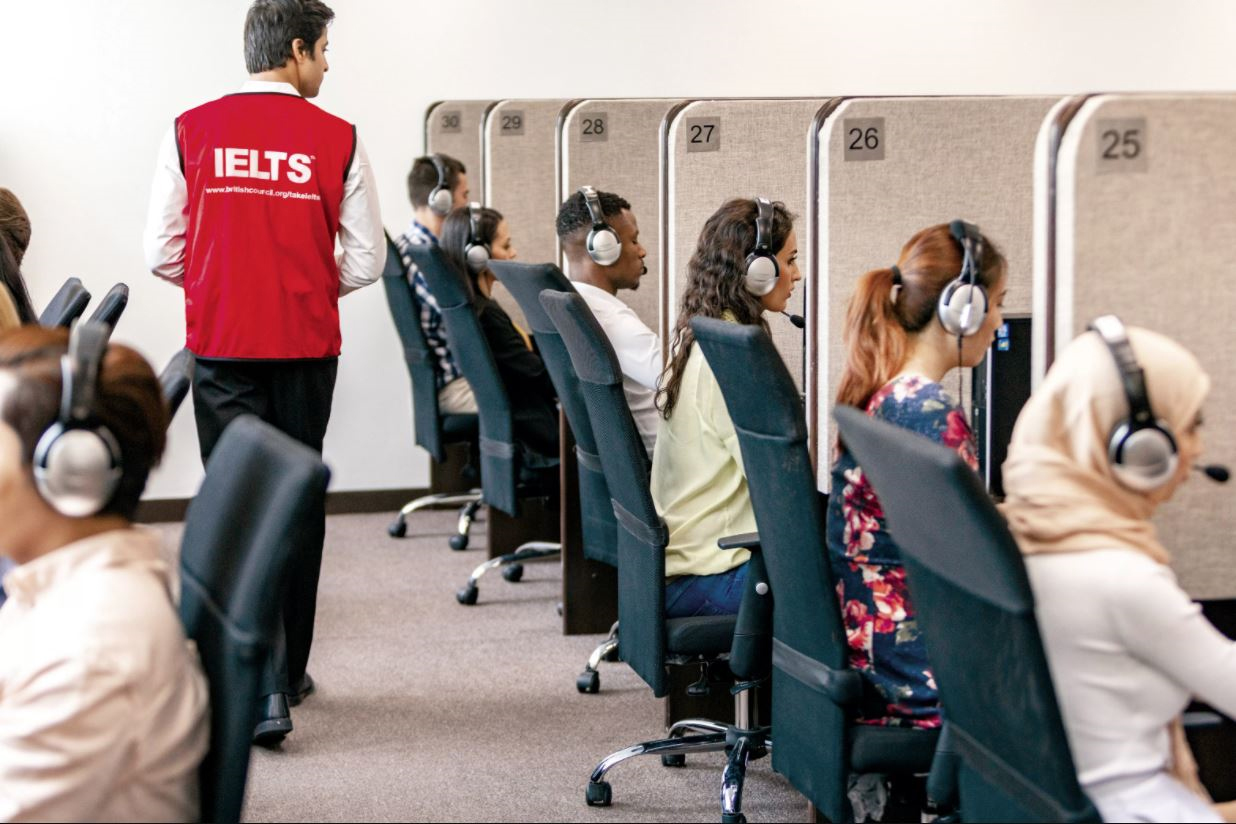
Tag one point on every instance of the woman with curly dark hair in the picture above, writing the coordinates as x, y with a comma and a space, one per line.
745, 264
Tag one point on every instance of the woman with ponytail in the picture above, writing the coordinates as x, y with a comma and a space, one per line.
898, 352
698, 484
15, 306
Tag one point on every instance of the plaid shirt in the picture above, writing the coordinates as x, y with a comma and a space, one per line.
445, 369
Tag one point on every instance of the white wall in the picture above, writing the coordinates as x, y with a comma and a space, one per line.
87, 88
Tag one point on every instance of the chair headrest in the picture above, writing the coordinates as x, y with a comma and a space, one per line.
526, 281
591, 353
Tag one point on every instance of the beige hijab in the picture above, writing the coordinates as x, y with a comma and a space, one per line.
1061, 493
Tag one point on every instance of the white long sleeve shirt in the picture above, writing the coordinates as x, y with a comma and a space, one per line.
639, 356
360, 218
1127, 650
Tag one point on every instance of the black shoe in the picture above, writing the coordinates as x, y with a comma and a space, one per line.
301, 691
276, 721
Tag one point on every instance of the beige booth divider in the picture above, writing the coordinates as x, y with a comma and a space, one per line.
891, 166
721, 149
521, 174
1145, 227
453, 127
615, 146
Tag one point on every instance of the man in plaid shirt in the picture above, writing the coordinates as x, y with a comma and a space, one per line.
429, 174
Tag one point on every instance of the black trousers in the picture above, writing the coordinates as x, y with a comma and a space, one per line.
295, 397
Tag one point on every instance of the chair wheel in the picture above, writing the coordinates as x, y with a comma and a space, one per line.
467, 596
513, 573
398, 528
559, 609
459, 542
674, 759
599, 794
735, 818
588, 682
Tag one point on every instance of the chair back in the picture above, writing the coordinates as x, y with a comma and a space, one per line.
974, 603
175, 379
240, 530
812, 684
500, 462
526, 282
426, 418
66, 305
112, 306
641, 533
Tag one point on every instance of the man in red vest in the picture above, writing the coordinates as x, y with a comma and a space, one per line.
250, 193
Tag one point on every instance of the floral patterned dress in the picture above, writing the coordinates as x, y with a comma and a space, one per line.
884, 640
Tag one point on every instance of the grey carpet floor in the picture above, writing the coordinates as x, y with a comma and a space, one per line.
428, 710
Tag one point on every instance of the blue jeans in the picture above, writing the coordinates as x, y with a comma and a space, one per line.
720, 594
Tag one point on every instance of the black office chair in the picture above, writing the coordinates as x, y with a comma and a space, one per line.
175, 379
814, 693
112, 306
974, 603
66, 305
526, 282
260, 487
648, 641
434, 430
506, 477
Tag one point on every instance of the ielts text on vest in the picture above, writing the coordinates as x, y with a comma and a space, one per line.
262, 165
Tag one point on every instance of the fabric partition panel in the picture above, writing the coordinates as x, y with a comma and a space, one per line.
888, 167
1145, 227
615, 146
521, 173
453, 127
722, 149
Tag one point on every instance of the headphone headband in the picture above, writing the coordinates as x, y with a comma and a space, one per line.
79, 371
1111, 329
761, 269
474, 222
440, 166
763, 226
593, 201
962, 307
603, 244
441, 199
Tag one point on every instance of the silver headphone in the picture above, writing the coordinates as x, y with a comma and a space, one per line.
477, 252
962, 307
441, 199
77, 461
603, 244
1141, 449
762, 269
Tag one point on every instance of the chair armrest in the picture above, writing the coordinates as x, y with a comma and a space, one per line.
745, 540
1201, 720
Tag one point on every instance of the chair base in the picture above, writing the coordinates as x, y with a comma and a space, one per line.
470, 501
589, 681
513, 563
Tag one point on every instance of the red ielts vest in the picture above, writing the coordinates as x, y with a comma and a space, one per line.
265, 175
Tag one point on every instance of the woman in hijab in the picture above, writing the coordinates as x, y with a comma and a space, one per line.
1127, 647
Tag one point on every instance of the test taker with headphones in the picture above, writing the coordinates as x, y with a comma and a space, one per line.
907, 325
1107, 438
745, 264
103, 703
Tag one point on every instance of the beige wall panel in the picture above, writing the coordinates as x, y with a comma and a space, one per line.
944, 158
763, 152
627, 162
1156, 246
453, 127
521, 168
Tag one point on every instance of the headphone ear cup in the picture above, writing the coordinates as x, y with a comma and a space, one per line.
604, 247
441, 200
477, 255
77, 470
956, 298
1142, 459
762, 272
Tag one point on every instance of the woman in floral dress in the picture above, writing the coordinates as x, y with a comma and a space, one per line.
898, 353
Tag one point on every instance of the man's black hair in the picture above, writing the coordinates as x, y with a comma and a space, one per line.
272, 25
423, 178
573, 214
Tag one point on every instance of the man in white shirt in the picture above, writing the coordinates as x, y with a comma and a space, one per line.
638, 347
251, 192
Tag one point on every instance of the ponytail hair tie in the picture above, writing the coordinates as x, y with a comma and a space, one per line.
895, 292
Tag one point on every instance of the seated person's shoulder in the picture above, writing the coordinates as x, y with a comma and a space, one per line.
922, 406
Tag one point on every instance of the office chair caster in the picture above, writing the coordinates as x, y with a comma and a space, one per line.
588, 682
467, 596
599, 794
459, 542
514, 573
674, 760
398, 528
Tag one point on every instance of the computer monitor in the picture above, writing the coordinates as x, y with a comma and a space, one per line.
1001, 387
